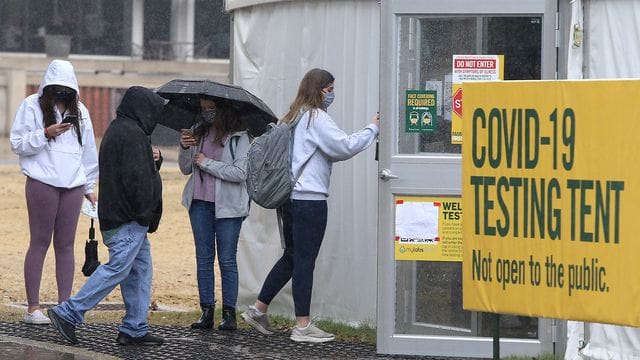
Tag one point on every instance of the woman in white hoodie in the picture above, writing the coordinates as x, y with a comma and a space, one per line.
53, 136
318, 143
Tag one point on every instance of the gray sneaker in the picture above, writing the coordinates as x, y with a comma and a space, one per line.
258, 322
311, 334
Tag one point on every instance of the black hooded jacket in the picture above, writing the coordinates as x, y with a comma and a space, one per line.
130, 185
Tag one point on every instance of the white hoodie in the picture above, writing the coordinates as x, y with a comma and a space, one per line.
316, 146
63, 162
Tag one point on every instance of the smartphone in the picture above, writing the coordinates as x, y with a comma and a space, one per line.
188, 132
70, 119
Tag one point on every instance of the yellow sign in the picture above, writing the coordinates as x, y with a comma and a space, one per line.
470, 68
552, 193
428, 229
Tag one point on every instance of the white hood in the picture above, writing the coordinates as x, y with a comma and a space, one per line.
65, 162
59, 72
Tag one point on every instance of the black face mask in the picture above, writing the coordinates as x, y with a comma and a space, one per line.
208, 116
64, 96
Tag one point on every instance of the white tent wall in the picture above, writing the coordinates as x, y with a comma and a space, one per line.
610, 49
275, 44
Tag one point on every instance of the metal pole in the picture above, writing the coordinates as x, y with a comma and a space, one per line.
496, 337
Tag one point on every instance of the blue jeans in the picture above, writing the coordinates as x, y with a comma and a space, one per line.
130, 267
304, 224
221, 234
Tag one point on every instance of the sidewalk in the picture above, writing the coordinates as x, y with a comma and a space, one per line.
97, 341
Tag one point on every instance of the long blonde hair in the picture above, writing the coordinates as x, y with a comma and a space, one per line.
309, 95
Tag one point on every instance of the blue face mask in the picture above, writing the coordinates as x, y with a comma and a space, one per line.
328, 99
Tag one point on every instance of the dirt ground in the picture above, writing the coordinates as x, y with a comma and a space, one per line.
172, 250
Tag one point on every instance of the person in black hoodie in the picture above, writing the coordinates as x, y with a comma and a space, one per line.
130, 206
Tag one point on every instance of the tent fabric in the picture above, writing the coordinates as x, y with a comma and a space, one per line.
611, 39
611, 49
275, 44
575, 339
611, 342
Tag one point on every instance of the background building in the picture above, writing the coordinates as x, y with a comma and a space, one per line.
158, 30
113, 44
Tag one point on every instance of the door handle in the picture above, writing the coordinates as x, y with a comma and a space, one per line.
386, 175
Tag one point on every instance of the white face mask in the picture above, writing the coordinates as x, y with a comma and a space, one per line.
328, 99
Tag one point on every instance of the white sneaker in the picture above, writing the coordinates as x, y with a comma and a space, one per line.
311, 334
36, 318
258, 322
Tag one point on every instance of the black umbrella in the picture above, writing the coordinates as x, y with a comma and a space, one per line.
183, 107
91, 262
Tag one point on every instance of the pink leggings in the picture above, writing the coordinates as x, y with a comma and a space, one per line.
52, 211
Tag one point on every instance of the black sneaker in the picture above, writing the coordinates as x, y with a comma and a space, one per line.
65, 328
146, 340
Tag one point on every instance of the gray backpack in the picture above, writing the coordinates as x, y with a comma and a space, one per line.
269, 178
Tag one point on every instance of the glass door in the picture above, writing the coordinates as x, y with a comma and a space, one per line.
420, 301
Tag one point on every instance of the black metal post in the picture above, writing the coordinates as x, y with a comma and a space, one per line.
496, 337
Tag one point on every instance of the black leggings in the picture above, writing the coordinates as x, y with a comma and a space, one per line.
304, 224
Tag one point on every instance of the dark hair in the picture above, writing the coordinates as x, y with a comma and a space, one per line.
309, 93
227, 120
47, 103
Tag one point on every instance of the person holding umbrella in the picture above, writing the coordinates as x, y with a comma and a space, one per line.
53, 136
214, 153
318, 143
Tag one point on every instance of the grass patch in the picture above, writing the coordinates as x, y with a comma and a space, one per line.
342, 331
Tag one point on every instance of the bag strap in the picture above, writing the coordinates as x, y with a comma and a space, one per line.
280, 226
297, 118
292, 126
233, 155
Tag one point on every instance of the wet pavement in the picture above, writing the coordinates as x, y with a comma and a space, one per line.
15, 348
97, 341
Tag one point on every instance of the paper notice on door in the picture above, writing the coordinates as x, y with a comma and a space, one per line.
417, 222
428, 228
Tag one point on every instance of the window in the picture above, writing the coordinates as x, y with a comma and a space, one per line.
103, 27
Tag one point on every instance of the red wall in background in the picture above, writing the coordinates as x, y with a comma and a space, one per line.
98, 101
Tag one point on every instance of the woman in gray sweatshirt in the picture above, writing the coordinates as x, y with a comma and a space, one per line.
318, 143
214, 153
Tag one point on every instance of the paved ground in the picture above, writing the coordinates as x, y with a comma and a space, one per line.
97, 341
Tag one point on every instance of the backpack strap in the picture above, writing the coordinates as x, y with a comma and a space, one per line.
292, 128
297, 118
233, 155
292, 125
